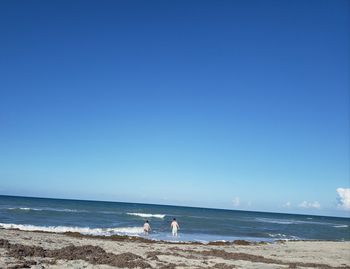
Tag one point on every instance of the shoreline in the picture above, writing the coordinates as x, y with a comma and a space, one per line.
142, 239
26, 249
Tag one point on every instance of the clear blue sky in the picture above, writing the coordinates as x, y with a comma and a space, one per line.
229, 104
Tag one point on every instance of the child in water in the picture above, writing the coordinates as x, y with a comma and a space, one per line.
174, 227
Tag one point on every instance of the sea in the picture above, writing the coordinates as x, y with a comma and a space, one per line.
196, 224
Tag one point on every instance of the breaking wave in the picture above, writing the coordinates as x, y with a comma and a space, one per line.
144, 215
45, 209
341, 226
276, 221
82, 230
283, 236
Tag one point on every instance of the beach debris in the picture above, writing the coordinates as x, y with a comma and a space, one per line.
89, 253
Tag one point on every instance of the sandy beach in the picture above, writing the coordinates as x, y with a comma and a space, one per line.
23, 249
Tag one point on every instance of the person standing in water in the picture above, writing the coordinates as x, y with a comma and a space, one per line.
174, 227
146, 227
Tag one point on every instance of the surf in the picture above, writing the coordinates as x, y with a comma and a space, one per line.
145, 215
82, 230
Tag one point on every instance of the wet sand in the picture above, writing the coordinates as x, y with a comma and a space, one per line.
22, 249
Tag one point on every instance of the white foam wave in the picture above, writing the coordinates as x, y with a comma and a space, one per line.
283, 236
22, 208
277, 221
83, 230
341, 226
278, 235
45, 209
144, 215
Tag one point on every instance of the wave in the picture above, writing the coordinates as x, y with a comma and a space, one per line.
22, 208
144, 215
283, 236
45, 209
108, 212
291, 221
83, 230
341, 226
276, 221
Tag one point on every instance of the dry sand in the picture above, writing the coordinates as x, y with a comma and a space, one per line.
19, 249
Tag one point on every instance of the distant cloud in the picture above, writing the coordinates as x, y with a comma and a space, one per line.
287, 204
236, 202
343, 198
305, 204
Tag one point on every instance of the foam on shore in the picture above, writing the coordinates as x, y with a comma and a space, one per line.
83, 230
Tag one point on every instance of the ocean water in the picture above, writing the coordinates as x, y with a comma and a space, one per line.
196, 224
